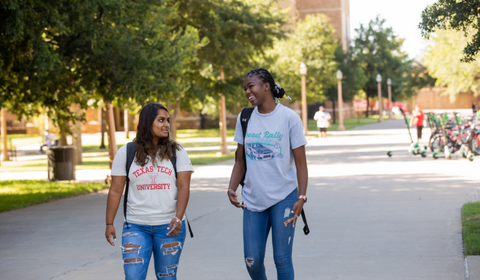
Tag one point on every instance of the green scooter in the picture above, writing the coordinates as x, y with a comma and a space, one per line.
414, 146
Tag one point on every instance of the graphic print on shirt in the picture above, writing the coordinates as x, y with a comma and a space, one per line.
149, 172
263, 147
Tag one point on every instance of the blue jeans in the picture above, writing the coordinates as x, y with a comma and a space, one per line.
256, 226
138, 242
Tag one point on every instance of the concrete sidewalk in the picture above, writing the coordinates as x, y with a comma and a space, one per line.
371, 217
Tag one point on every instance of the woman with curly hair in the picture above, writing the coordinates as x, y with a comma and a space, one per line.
276, 177
156, 200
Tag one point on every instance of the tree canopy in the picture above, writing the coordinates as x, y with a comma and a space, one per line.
457, 15
378, 50
353, 80
57, 53
443, 61
313, 43
235, 31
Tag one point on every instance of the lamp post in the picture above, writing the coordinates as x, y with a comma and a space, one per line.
340, 101
303, 72
379, 81
389, 108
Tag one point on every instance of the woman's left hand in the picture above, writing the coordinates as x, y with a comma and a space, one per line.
175, 226
297, 210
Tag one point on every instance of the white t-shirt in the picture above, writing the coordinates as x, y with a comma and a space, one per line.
322, 118
48, 139
152, 194
270, 139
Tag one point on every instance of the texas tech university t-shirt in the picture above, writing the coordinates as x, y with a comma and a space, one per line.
152, 194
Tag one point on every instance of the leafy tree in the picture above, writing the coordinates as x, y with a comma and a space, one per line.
377, 50
456, 15
236, 30
353, 80
62, 52
443, 62
314, 44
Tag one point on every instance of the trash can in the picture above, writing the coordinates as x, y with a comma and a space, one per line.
61, 163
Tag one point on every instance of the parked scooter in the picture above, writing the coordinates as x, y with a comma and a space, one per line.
414, 147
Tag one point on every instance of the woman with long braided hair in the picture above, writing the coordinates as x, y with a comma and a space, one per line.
276, 177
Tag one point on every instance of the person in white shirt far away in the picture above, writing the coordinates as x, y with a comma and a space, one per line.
323, 121
48, 138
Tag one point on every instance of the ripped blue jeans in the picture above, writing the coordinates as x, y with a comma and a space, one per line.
138, 243
256, 226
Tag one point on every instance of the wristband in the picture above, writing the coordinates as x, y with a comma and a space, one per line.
304, 197
178, 220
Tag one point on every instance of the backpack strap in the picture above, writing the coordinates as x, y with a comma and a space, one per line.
173, 160
244, 118
306, 229
131, 150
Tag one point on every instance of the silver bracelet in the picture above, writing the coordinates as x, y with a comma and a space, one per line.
178, 220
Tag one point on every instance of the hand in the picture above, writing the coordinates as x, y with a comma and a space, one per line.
297, 210
110, 234
232, 195
175, 226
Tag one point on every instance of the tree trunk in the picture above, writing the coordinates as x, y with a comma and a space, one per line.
334, 115
4, 135
102, 142
78, 135
125, 123
173, 120
63, 130
223, 120
366, 109
112, 144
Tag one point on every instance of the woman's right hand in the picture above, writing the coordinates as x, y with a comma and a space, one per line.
232, 195
110, 234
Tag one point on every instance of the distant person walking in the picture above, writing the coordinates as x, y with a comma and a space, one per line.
417, 119
47, 140
276, 176
156, 200
323, 121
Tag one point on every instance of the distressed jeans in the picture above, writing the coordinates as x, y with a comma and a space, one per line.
256, 227
138, 243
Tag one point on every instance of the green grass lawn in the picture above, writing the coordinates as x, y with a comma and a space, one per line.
23, 193
471, 228
96, 149
199, 133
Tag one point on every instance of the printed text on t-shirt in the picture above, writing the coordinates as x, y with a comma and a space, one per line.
149, 169
266, 134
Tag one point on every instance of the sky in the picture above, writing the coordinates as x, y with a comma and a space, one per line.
402, 16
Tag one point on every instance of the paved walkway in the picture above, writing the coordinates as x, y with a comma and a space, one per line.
371, 217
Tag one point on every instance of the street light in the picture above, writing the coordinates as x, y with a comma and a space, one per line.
379, 81
340, 101
389, 108
303, 72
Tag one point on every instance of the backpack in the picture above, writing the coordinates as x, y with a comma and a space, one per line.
131, 150
244, 118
